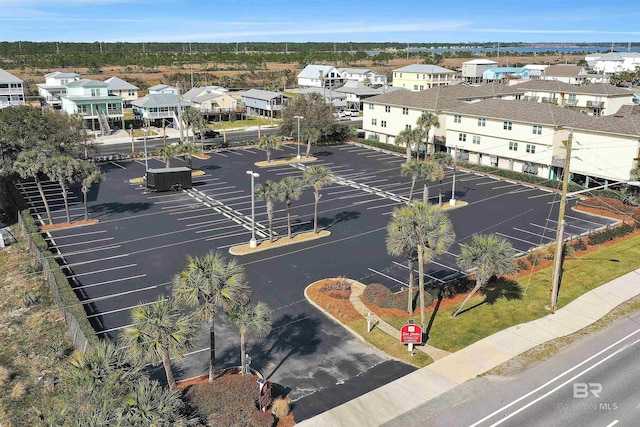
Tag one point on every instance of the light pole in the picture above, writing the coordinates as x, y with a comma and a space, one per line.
298, 117
146, 158
452, 201
253, 242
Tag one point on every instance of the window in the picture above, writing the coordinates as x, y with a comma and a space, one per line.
415, 87
374, 122
457, 118
82, 109
462, 137
395, 75
507, 125
513, 146
132, 93
371, 107
405, 111
387, 109
407, 127
383, 123
476, 140
95, 92
518, 97
482, 121
400, 75
537, 130
531, 148
421, 87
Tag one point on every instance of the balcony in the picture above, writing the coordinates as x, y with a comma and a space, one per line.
558, 161
531, 98
595, 104
463, 155
571, 102
530, 169
440, 140
550, 100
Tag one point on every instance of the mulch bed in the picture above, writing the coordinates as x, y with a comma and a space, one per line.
63, 225
340, 308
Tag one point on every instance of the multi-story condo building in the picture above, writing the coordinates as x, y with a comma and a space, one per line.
54, 87
614, 62
11, 90
90, 99
417, 77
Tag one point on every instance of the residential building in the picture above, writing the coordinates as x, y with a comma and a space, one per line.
363, 75
263, 102
158, 107
417, 77
535, 70
11, 90
90, 99
505, 73
472, 70
331, 97
164, 89
616, 62
326, 76
54, 87
510, 133
357, 91
211, 99
572, 74
118, 87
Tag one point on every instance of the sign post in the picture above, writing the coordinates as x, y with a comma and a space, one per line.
411, 334
265, 394
369, 322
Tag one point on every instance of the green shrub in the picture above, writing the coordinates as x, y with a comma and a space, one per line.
521, 265
381, 296
378, 144
579, 245
603, 236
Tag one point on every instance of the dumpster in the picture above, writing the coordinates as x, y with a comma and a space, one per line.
169, 179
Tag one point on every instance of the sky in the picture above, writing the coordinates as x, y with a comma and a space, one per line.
407, 21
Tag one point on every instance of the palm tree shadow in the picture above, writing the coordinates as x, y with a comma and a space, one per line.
343, 216
448, 289
498, 288
105, 209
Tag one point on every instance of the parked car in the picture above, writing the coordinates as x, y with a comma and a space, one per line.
209, 133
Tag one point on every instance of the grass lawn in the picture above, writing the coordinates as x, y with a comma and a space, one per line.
581, 274
243, 123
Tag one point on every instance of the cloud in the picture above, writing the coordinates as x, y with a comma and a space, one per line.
575, 31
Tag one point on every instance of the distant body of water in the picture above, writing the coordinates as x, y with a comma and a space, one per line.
591, 49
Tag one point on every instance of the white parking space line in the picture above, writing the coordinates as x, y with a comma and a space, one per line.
120, 267
244, 233
493, 181
291, 172
229, 192
475, 178
75, 264
249, 151
569, 199
122, 279
99, 248
504, 186
102, 313
388, 277
534, 234
515, 238
547, 194
585, 220
379, 155
349, 190
85, 242
523, 191
362, 202
545, 228
76, 235
416, 271
237, 225
220, 154
234, 152
385, 205
118, 165
354, 196
443, 265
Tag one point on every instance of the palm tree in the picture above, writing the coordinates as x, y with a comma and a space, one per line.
251, 319
431, 171
268, 143
269, 193
167, 152
207, 284
443, 159
290, 189
400, 242
63, 169
412, 168
405, 138
191, 117
312, 135
29, 164
88, 174
430, 230
158, 332
428, 121
490, 255
188, 149
317, 177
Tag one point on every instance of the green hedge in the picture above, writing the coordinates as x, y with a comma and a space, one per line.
70, 302
383, 145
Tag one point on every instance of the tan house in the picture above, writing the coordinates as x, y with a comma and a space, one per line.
417, 77
211, 99
118, 87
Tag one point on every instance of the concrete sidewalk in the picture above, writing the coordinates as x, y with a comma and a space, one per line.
393, 399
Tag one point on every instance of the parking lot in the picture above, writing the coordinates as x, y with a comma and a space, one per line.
140, 243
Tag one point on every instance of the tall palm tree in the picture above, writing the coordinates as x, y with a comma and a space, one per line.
29, 164
269, 193
402, 243
208, 283
431, 231
158, 332
88, 174
405, 137
312, 135
251, 319
431, 171
191, 117
317, 177
428, 121
413, 169
490, 255
268, 143
443, 159
63, 169
291, 189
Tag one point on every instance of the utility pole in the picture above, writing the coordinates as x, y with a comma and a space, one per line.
180, 123
557, 270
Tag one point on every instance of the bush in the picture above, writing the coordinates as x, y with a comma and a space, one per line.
339, 288
608, 234
229, 401
521, 265
579, 245
281, 407
378, 144
381, 296
534, 256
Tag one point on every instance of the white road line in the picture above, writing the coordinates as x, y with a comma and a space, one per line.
103, 270
515, 238
119, 309
388, 277
614, 422
76, 235
384, 206
118, 165
493, 181
443, 265
122, 279
220, 154
416, 271
544, 195
535, 234
85, 242
584, 220
503, 186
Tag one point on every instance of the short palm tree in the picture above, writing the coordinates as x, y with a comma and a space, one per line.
405, 137
269, 193
29, 164
402, 243
490, 255
312, 135
427, 122
188, 150
251, 319
158, 332
191, 117
268, 143
317, 177
430, 230
413, 169
431, 171
167, 152
443, 159
207, 284
88, 174
290, 189
63, 169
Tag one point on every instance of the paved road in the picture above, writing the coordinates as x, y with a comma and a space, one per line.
591, 383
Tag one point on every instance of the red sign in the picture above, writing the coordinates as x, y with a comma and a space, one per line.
411, 334
265, 395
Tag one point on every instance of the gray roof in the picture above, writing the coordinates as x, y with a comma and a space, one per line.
262, 94
87, 83
589, 89
6, 77
480, 61
313, 71
205, 93
62, 75
155, 100
563, 70
324, 92
618, 56
355, 70
116, 83
160, 87
424, 68
358, 88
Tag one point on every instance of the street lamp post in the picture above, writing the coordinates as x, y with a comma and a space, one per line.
298, 117
146, 158
452, 201
253, 242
